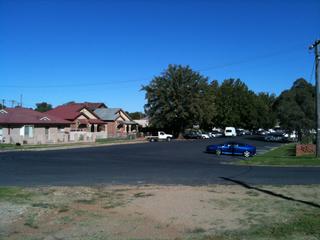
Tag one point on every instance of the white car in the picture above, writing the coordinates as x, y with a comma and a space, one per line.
215, 134
230, 132
204, 136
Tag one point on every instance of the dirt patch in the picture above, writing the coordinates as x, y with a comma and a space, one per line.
161, 212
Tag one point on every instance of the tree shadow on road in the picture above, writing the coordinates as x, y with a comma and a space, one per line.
278, 195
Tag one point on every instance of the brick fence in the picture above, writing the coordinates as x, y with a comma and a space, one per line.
304, 149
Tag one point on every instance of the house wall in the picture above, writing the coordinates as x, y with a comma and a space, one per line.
55, 135
114, 131
111, 127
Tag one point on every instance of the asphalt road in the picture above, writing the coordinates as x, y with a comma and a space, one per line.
177, 162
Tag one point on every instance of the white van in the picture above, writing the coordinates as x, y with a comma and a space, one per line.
230, 132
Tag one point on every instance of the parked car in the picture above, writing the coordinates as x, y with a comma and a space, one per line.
240, 132
192, 135
247, 132
215, 134
230, 132
261, 132
276, 137
291, 136
205, 135
159, 136
232, 148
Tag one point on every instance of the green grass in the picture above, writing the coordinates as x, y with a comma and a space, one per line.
113, 140
282, 156
31, 221
8, 146
14, 194
36, 146
5, 146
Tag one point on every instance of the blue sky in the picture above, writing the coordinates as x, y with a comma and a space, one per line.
63, 50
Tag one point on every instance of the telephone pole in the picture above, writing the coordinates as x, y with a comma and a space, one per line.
315, 46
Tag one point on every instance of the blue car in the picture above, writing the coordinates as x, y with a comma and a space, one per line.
232, 148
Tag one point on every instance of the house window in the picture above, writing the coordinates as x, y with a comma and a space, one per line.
28, 131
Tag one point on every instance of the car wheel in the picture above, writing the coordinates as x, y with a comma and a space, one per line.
168, 139
246, 154
152, 140
218, 152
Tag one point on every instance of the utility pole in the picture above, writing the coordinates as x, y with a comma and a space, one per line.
13, 103
315, 46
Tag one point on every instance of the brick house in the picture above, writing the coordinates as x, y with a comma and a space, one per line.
81, 116
26, 126
118, 122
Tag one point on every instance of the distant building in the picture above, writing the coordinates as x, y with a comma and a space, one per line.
144, 122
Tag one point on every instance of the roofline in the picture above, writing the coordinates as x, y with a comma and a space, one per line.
120, 109
32, 123
90, 112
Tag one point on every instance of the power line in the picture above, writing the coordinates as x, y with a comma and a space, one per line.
255, 58
76, 85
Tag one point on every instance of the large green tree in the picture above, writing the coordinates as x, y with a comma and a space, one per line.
43, 107
234, 103
178, 99
295, 107
136, 115
238, 106
265, 117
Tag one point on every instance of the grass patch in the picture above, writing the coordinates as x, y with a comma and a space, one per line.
14, 194
197, 230
31, 221
44, 205
143, 195
282, 156
86, 201
8, 146
113, 140
301, 226
5, 146
63, 208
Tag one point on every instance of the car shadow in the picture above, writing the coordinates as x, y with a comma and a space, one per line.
271, 193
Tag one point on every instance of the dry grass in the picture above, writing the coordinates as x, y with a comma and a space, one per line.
159, 212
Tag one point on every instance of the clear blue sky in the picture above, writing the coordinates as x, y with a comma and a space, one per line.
63, 50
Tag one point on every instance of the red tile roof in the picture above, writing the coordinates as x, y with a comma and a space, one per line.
68, 112
93, 106
72, 111
29, 116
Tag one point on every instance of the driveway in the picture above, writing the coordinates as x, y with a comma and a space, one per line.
177, 162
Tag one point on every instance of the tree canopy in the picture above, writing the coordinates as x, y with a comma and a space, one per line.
179, 98
43, 107
136, 115
295, 108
